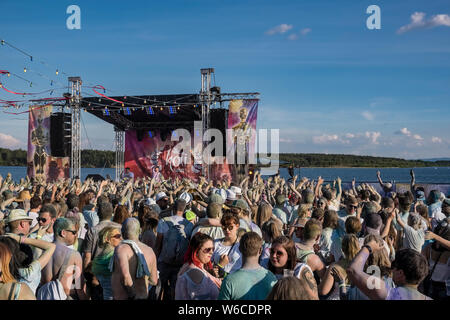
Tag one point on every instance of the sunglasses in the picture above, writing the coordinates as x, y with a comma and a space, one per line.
229, 227
278, 253
208, 250
353, 207
117, 236
44, 220
74, 232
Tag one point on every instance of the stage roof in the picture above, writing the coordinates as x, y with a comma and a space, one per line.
186, 109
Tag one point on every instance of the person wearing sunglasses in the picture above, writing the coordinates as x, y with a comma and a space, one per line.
64, 262
283, 263
227, 256
109, 238
197, 279
352, 209
46, 219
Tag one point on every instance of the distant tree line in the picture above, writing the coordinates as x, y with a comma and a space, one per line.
100, 159
89, 158
344, 160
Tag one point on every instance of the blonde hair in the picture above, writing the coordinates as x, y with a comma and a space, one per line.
350, 246
105, 235
303, 211
5, 259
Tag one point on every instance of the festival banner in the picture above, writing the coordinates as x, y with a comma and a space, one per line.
242, 116
40, 164
143, 157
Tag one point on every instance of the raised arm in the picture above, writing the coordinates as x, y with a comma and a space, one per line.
360, 279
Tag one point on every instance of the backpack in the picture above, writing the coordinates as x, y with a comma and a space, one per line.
175, 244
54, 290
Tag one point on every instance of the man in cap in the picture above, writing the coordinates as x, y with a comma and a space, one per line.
352, 209
162, 200
24, 200
168, 272
211, 226
241, 207
237, 191
231, 196
18, 222
279, 211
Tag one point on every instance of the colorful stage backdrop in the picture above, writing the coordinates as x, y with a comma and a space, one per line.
40, 164
142, 157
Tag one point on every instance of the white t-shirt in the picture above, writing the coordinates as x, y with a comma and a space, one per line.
234, 255
33, 215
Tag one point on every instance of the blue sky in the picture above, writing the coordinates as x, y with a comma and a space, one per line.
327, 82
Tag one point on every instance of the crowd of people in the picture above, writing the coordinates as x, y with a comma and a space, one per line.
176, 239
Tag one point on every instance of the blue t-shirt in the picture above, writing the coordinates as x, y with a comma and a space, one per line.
247, 284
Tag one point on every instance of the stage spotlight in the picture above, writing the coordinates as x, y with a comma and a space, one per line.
150, 110
106, 111
172, 110
128, 112
150, 134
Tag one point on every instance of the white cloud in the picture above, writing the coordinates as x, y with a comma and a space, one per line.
404, 131
7, 141
305, 31
282, 28
436, 140
418, 21
368, 115
417, 137
349, 135
293, 36
325, 138
373, 136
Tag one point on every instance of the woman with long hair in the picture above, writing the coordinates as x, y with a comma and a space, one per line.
121, 213
263, 214
196, 278
336, 274
10, 287
149, 225
109, 239
270, 231
282, 262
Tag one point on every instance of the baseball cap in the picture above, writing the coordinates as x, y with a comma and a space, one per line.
231, 195
17, 214
222, 193
186, 197
241, 204
420, 195
373, 223
236, 190
215, 198
149, 201
161, 195
190, 215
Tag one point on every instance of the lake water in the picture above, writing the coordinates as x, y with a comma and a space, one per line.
436, 175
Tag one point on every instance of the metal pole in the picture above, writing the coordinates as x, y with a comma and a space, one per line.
75, 156
205, 98
120, 152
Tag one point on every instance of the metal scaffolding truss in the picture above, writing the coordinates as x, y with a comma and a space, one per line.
120, 152
74, 103
208, 99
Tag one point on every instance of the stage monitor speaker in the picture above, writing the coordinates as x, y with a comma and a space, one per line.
60, 134
218, 120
